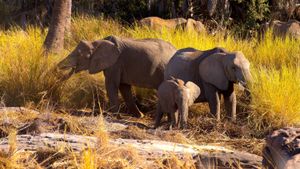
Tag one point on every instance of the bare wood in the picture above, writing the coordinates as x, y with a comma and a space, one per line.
282, 149
17, 109
68, 19
205, 155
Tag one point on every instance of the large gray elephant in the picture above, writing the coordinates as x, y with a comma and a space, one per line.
214, 71
125, 62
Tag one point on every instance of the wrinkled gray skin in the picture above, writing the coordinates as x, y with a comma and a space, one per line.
174, 98
125, 62
214, 71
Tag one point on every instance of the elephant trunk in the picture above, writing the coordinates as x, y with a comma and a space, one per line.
246, 83
67, 63
246, 79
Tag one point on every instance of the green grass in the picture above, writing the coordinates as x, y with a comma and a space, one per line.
26, 76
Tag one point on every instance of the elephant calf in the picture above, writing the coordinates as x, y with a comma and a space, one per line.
174, 98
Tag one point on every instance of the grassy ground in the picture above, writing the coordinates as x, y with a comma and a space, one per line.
27, 78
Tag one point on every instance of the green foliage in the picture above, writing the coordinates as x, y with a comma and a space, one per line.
125, 10
256, 12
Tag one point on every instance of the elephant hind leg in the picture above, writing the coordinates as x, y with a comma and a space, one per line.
126, 92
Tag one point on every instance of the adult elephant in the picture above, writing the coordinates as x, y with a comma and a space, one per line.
125, 62
281, 29
157, 23
214, 71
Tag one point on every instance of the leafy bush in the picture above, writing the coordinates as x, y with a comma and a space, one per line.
249, 14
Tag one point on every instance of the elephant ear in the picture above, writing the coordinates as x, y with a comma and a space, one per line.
194, 91
114, 39
105, 55
211, 71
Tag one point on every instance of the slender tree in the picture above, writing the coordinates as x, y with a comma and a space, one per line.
68, 18
55, 38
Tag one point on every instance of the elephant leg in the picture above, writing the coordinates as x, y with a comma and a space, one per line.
169, 117
126, 93
230, 104
159, 115
174, 118
112, 93
213, 98
183, 116
182, 113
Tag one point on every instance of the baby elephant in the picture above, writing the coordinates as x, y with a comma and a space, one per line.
174, 98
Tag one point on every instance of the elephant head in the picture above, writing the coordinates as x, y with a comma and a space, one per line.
185, 96
221, 68
92, 56
193, 92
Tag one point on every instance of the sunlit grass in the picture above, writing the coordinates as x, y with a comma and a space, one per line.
275, 97
25, 72
16, 159
27, 75
92, 28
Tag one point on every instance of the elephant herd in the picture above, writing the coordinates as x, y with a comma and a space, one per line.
181, 77
279, 29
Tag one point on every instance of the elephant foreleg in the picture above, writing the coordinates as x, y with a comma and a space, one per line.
174, 119
213, 98
112, 93
158, 116
230, 105
182, 113
126, 93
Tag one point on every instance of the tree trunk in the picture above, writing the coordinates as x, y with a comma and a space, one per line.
68, 18
55, 38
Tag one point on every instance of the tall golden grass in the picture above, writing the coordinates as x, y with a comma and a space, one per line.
26, 76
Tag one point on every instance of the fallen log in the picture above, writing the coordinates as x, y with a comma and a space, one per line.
22, 110
282, 149
21, 119
204, 155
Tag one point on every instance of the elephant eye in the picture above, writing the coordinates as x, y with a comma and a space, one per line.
234, 68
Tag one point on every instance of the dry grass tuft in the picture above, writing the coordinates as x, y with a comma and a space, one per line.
101, 133
14, 159
175, 162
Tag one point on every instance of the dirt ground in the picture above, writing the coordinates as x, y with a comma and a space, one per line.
202, 128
